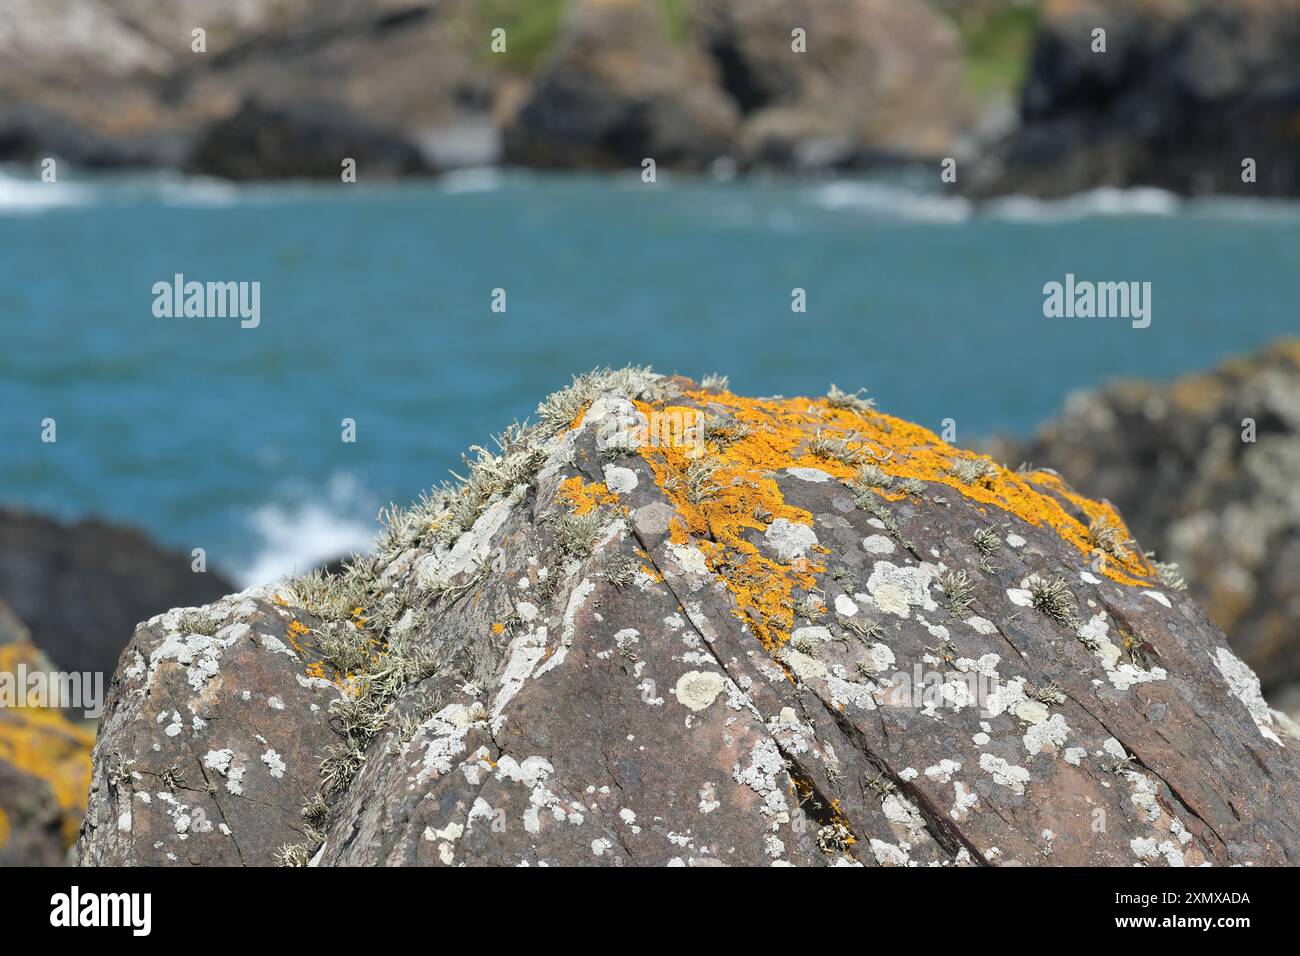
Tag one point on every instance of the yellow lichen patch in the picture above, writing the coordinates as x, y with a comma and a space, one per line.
726, 493
42, 743
916, 452
497, 627
583, 497
741, 499
296, 630
5, 829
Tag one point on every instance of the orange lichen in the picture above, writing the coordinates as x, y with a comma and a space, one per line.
4, 829
497, 627
296, 629
40, 742
723, 521
583, 497
741, 497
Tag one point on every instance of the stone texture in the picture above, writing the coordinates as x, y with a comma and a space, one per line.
1172, 458
654, 676
208, 748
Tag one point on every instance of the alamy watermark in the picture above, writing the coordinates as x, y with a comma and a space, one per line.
208, 300
1075, 299
66, 690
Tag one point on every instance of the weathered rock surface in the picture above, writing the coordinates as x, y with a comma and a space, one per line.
784, 631
195, 764
44, 762
1227, 511
82, 587
1183, 94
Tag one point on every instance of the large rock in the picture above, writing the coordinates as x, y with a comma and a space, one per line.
1227, 511
82, 587
44, 759
306, 141
1183, 94
788, 631
114, 82
880, 79
616, 91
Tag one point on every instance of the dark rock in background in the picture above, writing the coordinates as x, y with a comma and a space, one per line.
82, 587
115, 83
615, 91
262, 142
1183, 93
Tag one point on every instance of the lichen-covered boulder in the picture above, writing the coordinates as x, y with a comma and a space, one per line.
208, 748
671, 625
44, 759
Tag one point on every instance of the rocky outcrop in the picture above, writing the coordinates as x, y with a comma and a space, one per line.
1183, 94
876, 79
1174, 460
867, 80
44, 760
300, 142
83, 587
113, 82
671, 625
617, 91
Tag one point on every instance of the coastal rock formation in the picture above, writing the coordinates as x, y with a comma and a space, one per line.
1183, 94
82, 587
44, 762
117, 82
671, 625
588, 83
877, 79
617, 90
1225, 510
260, 142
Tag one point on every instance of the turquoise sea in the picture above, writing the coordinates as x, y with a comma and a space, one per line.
376, 306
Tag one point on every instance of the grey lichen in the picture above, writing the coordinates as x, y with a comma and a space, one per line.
1053, 597
851, 401
836, 448
987, 542
971, 471
957, 591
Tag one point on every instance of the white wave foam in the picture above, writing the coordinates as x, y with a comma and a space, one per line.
298, 537
197, 192
478, 179
1107, 201
893, 201
28, 195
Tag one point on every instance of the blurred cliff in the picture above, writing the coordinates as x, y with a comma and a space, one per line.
1183, 93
